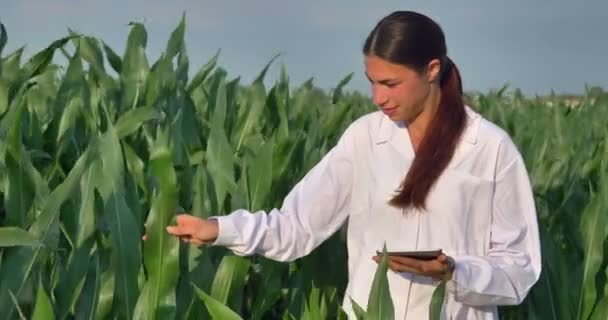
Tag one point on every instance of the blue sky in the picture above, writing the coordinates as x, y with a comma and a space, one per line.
537, 46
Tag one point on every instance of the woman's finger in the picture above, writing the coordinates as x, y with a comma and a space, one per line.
402, 268
196, 242
410, 262
186, 225
176, 231
182, 230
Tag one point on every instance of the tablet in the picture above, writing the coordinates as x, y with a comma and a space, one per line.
422, 255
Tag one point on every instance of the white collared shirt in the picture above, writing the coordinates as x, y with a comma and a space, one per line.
480, 212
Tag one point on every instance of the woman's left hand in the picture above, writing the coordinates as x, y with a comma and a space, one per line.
440, 268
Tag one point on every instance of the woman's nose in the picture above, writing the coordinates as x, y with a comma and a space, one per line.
378, 96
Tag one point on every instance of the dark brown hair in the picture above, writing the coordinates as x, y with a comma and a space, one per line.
413, 39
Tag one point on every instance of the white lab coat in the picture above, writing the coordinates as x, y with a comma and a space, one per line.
480, 212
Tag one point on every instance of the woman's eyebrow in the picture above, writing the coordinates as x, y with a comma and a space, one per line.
382, 81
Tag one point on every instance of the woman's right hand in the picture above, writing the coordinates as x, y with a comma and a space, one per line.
194, 230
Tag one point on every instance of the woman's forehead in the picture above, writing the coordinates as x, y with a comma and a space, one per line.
376, 68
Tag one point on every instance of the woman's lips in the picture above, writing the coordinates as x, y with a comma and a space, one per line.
389, 111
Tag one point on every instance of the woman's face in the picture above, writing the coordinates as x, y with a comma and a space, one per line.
398, 90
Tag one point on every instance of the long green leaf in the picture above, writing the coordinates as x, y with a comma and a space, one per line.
131, 120
18, 265
106, 295
86, 211
126, 246
4, 90
216, 308
260, 173
72, 280
594, 222
202, 74
380, 303
41, 60
3, 40
358, 310
337, 94
43, 309
437, 301
135, 67
87, 303
220, 162
229, 280
11, 66
113, 58
176, 41
13, 236
157, 300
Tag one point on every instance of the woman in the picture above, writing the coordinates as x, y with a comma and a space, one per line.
424, 172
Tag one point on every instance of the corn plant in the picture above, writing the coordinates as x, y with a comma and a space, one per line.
93, 150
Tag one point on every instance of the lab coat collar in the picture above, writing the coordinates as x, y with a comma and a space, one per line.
388, 128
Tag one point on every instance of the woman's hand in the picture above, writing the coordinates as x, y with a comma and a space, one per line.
194, 230
440, 268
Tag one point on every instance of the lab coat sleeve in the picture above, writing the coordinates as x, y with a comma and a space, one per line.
312, 211
512, 265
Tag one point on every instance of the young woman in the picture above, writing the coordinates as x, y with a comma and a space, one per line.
424, 172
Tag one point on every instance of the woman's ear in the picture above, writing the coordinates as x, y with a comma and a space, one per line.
433, 70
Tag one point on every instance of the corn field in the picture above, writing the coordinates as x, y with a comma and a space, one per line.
93, 150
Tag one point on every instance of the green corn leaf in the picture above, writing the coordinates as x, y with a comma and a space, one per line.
69, 117
176, 41
260, 173
135, 166
218, 100
72, 280
216, 309
277, 110
20, 190
380, 303
43, 308
86, 210
359, 312
229, 281
133, 119
268, 287
4, 91
106, 295
13, 236
126, 246
437, 301
220, 162
41, 60
135, 67
3, 40
18, 265
202, 74
87, 303
113, 58
112, 164
71, 98
595, 223
90, 50
11, 66
337, 94
548, 291
259, 80
160, 249
204, 201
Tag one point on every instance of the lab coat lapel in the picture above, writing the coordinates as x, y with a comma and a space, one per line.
396, 135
